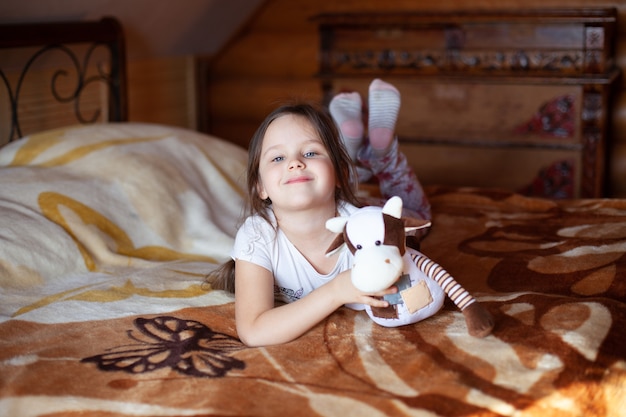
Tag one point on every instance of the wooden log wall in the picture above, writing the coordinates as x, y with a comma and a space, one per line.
275, 57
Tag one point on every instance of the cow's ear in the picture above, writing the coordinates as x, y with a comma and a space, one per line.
394, 232
411, 224
336, 224
335, 245
393, 207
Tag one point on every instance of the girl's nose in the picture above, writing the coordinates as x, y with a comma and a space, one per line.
296, 163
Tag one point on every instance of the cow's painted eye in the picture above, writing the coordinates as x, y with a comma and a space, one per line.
378, 243
359, 247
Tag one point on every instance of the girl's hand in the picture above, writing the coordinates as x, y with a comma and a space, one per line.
347, 293
261, 323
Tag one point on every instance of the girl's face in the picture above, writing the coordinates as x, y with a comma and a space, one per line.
295, 170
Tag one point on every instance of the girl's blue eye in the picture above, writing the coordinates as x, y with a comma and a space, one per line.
310, 154
278, 159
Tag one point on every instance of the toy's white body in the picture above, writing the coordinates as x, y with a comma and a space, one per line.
419, 296
376, 237
379, 265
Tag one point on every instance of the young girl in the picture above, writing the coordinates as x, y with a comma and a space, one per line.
300, 174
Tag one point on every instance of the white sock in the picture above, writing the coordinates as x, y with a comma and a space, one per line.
345, 108
384, 105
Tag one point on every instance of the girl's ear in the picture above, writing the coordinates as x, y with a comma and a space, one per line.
261, 191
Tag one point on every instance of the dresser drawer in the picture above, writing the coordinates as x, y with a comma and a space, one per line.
531, 171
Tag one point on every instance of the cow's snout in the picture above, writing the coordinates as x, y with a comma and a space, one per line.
376, 268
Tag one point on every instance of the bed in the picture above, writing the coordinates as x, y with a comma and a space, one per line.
107, 230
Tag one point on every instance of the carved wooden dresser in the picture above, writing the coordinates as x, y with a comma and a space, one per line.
513, 100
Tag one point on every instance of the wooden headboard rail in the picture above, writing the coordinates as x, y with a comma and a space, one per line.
568, 42
60, 36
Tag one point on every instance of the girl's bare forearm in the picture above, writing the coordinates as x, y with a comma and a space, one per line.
289, 321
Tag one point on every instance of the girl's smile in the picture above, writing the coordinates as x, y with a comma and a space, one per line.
298, 179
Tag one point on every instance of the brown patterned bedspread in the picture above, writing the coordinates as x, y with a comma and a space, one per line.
146, 338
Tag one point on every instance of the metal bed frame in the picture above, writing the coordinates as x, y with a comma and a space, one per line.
105, 33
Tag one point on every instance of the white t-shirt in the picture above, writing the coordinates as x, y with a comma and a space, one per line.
294, 277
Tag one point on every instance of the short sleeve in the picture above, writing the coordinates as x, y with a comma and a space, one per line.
254, 241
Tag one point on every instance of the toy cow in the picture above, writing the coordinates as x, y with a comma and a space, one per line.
377, 238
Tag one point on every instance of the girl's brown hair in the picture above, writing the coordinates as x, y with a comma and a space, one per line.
224, 277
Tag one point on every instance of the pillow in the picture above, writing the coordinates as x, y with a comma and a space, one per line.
99, 197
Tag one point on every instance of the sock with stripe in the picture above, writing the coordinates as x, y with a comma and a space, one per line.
345, 109
384, 105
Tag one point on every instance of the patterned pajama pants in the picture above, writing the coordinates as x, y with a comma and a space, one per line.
395, 178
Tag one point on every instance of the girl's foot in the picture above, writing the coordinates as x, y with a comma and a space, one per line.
345, 108
384, 104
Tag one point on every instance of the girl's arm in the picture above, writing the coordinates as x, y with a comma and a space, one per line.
260, 323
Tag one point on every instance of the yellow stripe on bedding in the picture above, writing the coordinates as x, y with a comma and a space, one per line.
50, 203
118, 293
38, 144
112, 294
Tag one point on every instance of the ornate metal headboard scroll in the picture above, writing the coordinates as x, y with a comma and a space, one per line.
44, 38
